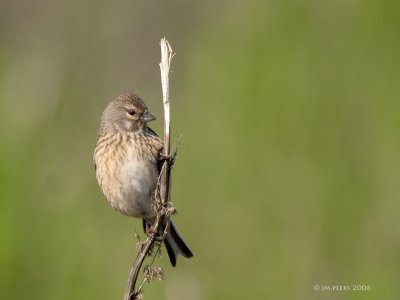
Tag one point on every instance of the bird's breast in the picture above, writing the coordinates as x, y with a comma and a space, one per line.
128, 177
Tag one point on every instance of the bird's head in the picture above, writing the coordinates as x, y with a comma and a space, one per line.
127, 113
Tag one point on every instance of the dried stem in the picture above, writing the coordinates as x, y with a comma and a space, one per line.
164, 179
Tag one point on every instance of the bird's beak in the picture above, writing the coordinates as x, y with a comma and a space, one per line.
147, 117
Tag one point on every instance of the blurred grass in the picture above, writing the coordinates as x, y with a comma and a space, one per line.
286, 176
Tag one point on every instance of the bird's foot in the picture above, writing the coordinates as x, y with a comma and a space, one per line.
170, 158
154, 236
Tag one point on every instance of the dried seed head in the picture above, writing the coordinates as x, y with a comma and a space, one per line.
139, 296
153, 272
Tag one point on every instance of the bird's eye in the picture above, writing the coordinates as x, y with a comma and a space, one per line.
131, 112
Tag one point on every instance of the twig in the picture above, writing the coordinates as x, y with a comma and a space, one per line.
164, 179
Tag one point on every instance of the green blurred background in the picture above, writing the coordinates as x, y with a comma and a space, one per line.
287, 175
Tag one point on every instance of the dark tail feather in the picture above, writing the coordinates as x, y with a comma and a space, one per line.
176, 245
171, 253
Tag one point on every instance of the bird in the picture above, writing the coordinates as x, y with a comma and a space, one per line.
127, 160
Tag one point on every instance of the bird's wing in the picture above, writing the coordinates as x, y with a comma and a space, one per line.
154, 135
152, 132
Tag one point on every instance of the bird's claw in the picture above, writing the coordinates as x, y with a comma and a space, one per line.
169, 158
153, 235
